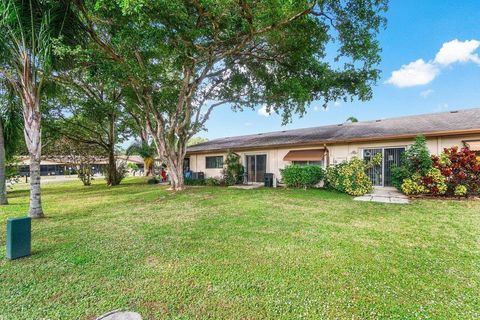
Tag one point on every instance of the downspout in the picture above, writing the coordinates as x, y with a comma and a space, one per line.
326, 156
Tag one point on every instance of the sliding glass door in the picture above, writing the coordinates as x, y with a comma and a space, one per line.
381, 175
256, 166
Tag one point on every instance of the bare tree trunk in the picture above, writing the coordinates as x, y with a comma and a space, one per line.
3, 180
112, 168
175, 172
33, 139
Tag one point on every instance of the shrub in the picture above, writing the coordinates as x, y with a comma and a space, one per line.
432, 183
459, 167
415, 160
233, 171
411, 186
85, 174
350, 177
399, 175
295, 176
211, 182
194, 182
153, 180
460, 190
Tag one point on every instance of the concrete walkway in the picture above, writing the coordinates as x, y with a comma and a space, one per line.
384, 195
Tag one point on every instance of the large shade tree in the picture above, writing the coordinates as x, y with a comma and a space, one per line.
29, 30
89, 109
184, 58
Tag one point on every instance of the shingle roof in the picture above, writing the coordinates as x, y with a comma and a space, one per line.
427, 124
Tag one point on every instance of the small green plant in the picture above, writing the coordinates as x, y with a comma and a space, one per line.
212, 182
295, 176
85, 174
153, 180
460, 190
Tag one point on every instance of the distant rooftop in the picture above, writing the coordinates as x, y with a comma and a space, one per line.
441, 124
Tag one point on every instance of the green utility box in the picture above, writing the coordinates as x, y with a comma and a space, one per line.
19, 237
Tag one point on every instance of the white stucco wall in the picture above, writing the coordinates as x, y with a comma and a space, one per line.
337, 152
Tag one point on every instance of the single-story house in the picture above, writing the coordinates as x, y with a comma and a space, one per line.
62, 165
329, 145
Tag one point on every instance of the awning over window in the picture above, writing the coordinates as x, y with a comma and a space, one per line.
305, 155
473, 145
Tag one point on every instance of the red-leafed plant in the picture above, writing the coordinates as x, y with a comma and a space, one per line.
460, 167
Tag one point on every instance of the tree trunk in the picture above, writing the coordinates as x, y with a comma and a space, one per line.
33, 139
112, 168
3, 179
175, 172
112, 163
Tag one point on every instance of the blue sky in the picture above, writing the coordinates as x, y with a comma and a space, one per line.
416, 29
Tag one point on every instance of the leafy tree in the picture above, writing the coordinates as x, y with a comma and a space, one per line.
76, 154
147, 152
352, 119
3, 167
10, 136
89, 109
29, 31
182, 59
196, 140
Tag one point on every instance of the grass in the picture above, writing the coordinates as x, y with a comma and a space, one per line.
212, 252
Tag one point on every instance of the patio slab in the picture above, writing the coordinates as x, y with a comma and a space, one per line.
384, 195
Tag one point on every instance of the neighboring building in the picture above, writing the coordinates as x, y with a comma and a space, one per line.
269, 152
57, 166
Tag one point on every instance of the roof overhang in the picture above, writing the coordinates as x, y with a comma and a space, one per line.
341, 141
305, 155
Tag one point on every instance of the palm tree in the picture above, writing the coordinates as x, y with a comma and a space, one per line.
352, 119
147, 152
29, 31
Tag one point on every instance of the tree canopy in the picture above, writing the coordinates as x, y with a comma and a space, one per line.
181, 59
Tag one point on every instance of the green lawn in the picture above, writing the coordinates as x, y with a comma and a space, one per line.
223, 253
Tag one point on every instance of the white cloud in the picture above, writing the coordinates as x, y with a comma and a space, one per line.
419, 72
263, 111
413, 74
426, 93
458, 51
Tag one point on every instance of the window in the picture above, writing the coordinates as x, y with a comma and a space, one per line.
214, 162
311, 163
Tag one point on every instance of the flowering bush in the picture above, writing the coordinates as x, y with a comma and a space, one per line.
461, 168
295, 176
350, 177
